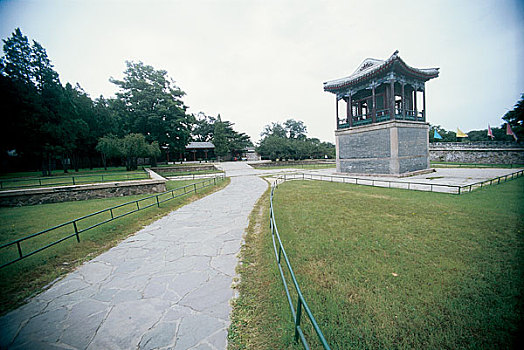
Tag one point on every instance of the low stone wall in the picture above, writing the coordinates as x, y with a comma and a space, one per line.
34, 196
477, 152
291, 162
183, 169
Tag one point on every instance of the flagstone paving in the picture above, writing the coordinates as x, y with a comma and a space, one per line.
166, 287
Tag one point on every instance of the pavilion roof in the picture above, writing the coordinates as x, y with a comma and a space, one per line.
200, 145
372, 67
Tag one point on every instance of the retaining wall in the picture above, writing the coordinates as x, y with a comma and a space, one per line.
183, 169
79, 192
270, 164
495, 152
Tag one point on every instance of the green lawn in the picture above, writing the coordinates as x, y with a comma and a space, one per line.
25, 180
71, 172
387, 268
24, 278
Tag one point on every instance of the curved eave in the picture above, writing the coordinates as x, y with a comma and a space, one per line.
413, 72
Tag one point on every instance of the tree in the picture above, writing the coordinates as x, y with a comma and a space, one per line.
447, 136
295, 129
109, 147
204, 128
219, 138
130, 147
275, 129
48, 120
515, 118
151, 104
289, 141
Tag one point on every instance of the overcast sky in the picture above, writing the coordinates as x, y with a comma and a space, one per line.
255, 62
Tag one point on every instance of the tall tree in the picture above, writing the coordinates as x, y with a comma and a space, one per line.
295, 129
46, 114
220, 138
151, 104
203, 128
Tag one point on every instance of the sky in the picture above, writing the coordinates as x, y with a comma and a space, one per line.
257, 62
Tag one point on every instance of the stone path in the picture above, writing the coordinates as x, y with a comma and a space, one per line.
166, 287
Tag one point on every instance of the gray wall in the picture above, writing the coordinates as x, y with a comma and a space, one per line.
477, 152
79, 192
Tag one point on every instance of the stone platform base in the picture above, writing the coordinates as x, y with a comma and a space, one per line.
408, 174
393, 148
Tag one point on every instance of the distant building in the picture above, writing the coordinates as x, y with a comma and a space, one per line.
200, 151
383, 129
250, 154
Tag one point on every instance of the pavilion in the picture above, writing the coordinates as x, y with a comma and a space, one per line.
200, 150
384, 129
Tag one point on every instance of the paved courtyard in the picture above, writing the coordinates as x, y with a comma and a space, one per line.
168, 286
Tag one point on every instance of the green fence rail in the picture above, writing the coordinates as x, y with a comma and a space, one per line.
296, 311
75, 231
70, 180
406, 185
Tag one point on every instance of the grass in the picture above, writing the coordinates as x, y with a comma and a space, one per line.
71, 172
26, 277
387, 268
70, 179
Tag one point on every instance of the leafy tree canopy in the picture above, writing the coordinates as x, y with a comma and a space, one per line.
289, 140
151, 104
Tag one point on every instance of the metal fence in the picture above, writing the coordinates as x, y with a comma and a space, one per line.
70, 180
74, 227
192, 176
408, 185
301, 302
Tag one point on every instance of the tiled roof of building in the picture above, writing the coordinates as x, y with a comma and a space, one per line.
200, 145
372, 67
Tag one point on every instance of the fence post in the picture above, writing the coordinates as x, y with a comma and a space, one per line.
73, 180
194, 187
157, 202
76, 232
19, 249
297, 319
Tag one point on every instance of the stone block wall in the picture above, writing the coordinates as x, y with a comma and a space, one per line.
477, 152
34, 196
183, 169
392, 147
